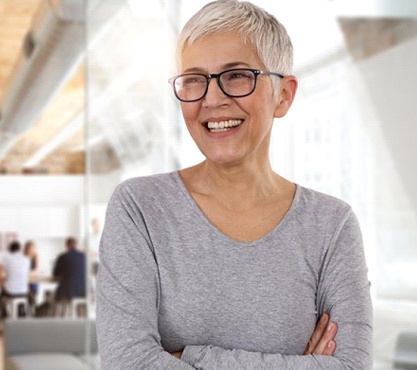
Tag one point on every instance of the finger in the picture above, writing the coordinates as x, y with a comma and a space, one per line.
317, 334
328, 336
330, 348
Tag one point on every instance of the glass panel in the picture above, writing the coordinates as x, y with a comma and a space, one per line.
349, 134
42, 164
132, 124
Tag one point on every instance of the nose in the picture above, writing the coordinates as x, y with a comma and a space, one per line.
214, 96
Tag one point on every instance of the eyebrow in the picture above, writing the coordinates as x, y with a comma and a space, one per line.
235, 64
224, 67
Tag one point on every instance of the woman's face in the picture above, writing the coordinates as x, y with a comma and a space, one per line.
249, 140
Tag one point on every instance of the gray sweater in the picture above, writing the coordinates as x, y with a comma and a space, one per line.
169, 280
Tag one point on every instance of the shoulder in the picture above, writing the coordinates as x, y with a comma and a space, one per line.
154, 190
62, 256
5, 260
80, 253
328, 221
319, 208
20, 259
148, 184
5, 257
319, 201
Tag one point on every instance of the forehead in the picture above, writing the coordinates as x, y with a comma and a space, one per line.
212, 52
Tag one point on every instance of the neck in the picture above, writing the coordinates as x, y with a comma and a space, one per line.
237, 186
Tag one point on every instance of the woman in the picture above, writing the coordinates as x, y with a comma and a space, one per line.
227, 265
30, 252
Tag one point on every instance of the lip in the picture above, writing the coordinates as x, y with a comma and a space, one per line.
222, 133
221, 118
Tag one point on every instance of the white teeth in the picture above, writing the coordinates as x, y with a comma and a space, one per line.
223, 125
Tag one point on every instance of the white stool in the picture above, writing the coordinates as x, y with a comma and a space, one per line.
74, 304
68, 308
12, 306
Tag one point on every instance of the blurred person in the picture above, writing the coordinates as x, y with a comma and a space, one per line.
14, 270
30, 252
227, 265
94, 244
69, 271
94, 262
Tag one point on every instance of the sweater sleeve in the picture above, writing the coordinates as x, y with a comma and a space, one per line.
128, 293
343, 291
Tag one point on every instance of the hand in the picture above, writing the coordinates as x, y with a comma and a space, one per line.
177, 354
322, 340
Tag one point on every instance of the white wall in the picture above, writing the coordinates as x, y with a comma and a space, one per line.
46, 209
44, 190
391, 80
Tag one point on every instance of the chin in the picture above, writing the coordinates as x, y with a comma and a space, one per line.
225, 161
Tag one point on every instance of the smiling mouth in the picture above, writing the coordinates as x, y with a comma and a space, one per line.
223, 125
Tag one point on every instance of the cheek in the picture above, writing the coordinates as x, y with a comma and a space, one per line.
190, 111
267, 103
262, 107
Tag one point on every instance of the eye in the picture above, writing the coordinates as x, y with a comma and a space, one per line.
188, 80
239, 75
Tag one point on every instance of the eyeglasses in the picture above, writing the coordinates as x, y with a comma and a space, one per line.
235, 83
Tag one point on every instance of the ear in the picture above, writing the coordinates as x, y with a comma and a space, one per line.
287, 90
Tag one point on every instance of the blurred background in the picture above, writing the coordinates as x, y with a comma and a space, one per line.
85, 104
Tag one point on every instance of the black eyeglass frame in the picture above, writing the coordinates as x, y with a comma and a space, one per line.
217, 76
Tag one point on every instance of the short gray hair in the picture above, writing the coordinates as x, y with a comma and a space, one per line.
268, 36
